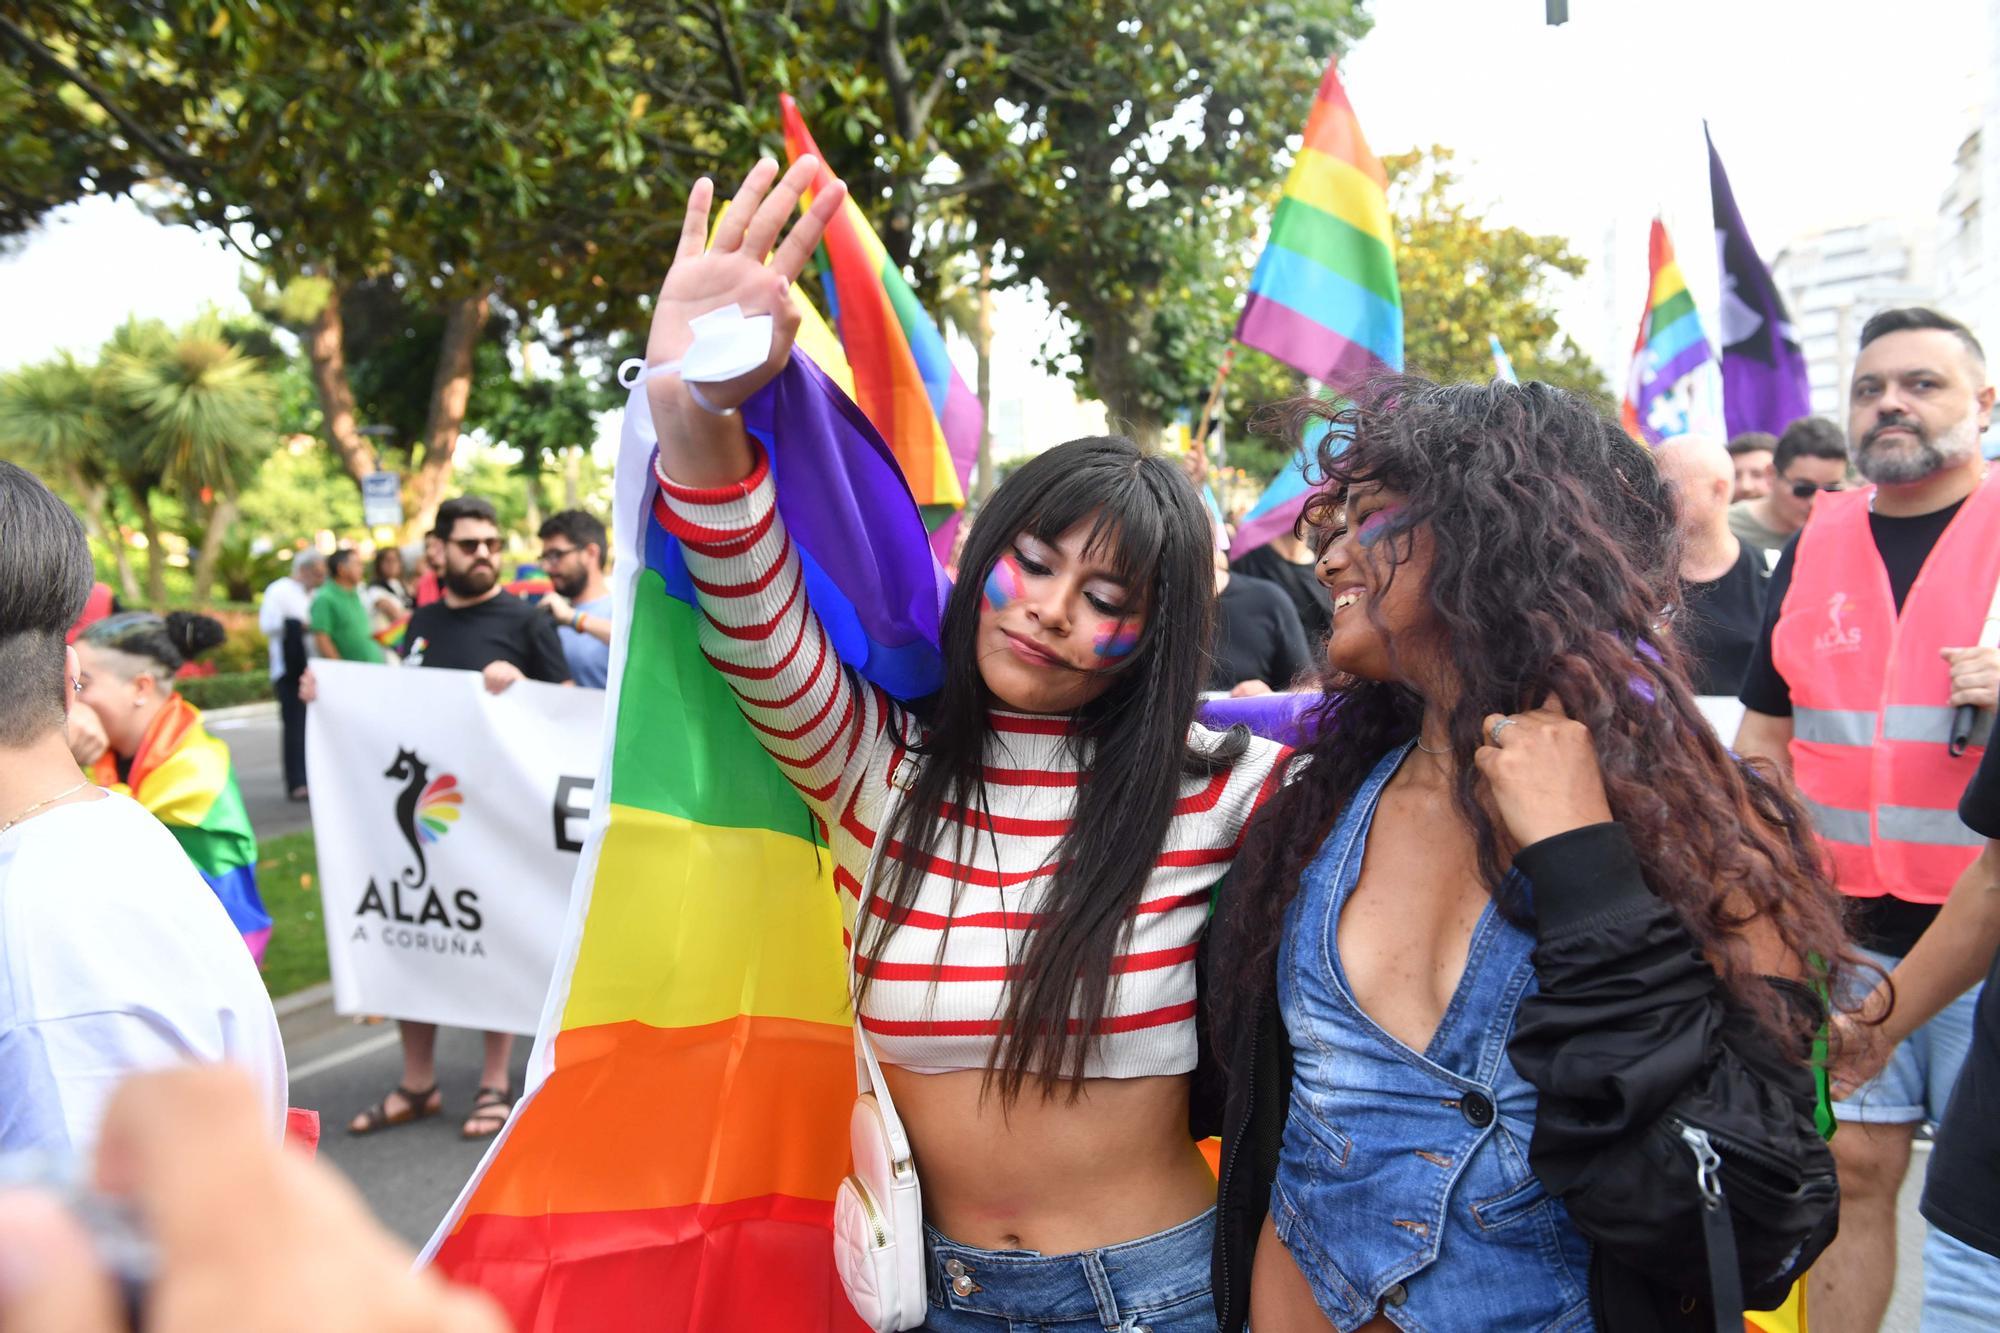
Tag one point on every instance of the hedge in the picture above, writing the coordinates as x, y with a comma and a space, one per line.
223, 691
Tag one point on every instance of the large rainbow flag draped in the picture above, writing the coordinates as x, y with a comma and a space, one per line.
1324, 298
903, 378
1661, 397
184, 778
673, 1163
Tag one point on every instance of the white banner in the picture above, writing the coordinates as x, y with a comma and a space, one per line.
448, 823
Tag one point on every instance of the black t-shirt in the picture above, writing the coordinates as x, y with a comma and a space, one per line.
1721, 620
1886, 924
1257, 636
503, 628
1962, 1191
1309, 597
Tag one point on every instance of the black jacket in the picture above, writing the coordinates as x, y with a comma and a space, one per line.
1628, 1039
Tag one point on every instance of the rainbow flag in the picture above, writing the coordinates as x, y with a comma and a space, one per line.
1660, 397
674, 1160
1324, 298
903, 379
391, 636
530, 581
183, 776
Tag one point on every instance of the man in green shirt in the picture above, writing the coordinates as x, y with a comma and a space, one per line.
339, 620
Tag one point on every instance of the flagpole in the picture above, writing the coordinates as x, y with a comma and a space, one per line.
1214, 397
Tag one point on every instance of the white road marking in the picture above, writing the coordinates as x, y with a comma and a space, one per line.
380, 1042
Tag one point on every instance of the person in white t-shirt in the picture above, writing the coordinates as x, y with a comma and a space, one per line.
285, 617
115, 957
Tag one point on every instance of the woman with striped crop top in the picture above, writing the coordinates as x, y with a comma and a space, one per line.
1055, 821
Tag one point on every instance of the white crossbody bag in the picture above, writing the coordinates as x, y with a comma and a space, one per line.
878, 1212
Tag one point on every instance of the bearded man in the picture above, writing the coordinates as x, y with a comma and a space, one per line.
476, 626
1866, 655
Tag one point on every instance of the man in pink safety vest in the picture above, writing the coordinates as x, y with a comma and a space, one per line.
1868, 649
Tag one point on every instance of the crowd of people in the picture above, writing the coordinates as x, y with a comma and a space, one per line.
1518, 996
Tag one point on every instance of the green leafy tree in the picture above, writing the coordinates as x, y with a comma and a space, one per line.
1463, 278
201, 417
53, 421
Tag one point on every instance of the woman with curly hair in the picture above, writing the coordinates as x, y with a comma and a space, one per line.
157, 751
1517, 980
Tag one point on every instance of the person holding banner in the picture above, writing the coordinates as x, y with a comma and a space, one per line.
1027, 862
476, 626
1522, 942
1870, 648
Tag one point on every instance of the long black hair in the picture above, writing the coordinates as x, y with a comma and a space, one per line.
1554, 571
1132, 740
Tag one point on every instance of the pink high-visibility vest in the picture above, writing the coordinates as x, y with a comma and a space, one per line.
1871, 717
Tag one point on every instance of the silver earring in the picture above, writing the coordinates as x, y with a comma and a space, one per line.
78, 683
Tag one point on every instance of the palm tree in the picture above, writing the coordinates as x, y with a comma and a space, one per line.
202, 416
53, 418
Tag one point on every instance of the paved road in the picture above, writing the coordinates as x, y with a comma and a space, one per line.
410, 1174
255, 749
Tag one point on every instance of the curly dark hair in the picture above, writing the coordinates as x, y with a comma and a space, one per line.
1554, 572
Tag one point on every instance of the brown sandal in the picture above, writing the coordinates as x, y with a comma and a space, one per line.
416, 1106
490, 1110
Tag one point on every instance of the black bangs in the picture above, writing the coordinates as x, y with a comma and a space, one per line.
1134, 740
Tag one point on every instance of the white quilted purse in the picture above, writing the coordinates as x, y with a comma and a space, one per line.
878, 1213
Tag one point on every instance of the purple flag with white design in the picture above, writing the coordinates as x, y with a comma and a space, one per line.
1764, 385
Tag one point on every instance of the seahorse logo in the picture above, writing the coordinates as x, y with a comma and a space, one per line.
426, 808
1839, 637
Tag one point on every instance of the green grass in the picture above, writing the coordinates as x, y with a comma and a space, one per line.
288, 875
224, 691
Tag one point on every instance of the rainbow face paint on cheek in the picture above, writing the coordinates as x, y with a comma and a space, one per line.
1382, 523
1003, 584
1115, 641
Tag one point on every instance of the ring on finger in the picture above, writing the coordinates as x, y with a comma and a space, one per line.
1500, 725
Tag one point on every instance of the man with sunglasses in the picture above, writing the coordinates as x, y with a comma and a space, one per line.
1810, 457
573, 546
1867, 653
476, 626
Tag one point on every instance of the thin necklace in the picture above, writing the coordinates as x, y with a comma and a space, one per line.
1428, 750
39, 804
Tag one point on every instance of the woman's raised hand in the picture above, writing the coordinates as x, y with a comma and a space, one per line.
732, 269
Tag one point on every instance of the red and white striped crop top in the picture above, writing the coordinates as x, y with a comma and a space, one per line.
829, 731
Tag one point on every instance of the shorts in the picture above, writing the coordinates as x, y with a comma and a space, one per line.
1961, 1287
1916, 1083
1156, 1284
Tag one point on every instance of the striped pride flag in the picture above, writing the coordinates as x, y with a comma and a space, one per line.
1324, 298
1660, 395
186, 780
673, 1163
903, 379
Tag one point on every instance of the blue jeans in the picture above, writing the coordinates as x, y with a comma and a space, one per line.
1961, 1287
1916, 1082
1156, 1284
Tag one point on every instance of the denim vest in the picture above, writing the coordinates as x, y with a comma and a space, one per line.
1403, 1178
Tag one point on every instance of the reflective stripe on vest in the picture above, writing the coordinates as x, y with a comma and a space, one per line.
1871, 697
1900, 722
